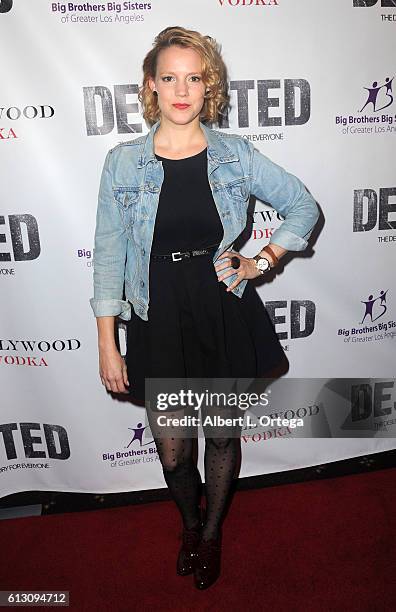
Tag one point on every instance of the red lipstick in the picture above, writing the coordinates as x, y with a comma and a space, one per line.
181, 106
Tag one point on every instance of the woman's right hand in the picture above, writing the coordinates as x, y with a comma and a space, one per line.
113, 370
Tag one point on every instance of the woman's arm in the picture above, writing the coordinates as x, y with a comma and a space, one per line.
109, 252
109, 266
106, 333
278, 250
287, 195
112, 367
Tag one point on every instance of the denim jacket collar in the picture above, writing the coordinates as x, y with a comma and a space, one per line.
218, 152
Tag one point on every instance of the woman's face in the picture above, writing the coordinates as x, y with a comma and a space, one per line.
179, 82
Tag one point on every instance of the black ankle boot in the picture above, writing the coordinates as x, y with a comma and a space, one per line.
188, 552
207, 565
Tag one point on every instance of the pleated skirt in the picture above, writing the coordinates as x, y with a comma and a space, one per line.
196, 328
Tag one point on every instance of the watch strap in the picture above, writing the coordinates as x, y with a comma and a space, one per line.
269, 250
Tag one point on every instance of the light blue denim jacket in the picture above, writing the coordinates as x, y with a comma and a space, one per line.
129, 191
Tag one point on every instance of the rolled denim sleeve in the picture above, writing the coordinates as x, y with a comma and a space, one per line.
287, 195
109, 254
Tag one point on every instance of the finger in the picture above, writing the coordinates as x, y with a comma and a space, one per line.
225, 254
227, 274
125, 380
222, 266
112, 385
125, 375
118, 385
107, 384
224, 263
234, 284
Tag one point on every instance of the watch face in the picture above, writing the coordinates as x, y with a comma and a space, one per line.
263, 264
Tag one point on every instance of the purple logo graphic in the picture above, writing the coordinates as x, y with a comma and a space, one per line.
370, 305
373, 94
138, 432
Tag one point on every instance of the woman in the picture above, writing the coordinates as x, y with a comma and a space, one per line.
171, 205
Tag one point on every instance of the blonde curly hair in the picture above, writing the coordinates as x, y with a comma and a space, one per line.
214, 72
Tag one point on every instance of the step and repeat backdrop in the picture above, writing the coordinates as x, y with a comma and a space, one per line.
312, 85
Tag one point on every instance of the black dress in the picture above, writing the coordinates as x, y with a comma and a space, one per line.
195, 328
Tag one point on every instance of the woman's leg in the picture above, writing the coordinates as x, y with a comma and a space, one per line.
182, 477
220, 460
180, 472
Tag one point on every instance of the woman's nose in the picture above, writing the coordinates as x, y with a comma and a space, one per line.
181, 88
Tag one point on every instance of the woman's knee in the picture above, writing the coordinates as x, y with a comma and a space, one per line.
174, 462
220, 443
173, 453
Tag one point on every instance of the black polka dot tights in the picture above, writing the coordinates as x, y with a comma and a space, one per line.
184, 480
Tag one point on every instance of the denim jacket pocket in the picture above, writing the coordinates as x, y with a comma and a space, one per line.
238, 189
127, 199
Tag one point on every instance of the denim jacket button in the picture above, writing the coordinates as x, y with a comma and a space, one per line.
142, 283
143, 252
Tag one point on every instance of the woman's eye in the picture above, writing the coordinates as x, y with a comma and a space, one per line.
166, 77
196, 77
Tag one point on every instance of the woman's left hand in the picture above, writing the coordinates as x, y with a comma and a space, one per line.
247, 268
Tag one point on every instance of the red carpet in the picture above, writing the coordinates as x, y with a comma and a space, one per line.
320, 545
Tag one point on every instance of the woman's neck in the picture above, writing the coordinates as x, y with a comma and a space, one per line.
178, 140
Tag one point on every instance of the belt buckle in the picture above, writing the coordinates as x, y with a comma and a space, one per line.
176, 253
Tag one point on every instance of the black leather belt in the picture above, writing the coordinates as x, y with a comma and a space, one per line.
178, 255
